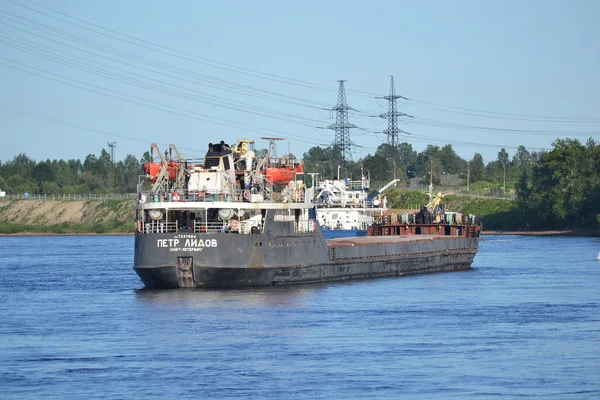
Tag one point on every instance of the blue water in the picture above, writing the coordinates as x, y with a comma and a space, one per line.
76, 324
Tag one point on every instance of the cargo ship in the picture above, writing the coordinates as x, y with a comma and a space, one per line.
220, 223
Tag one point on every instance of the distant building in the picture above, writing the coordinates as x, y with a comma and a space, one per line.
415, 183
450, 180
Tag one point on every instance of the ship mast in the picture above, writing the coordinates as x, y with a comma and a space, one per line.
272, 149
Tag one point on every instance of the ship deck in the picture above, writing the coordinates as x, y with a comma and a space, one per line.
369, 240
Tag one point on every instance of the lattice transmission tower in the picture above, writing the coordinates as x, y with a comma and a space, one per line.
392, 116
342, 127
111, 147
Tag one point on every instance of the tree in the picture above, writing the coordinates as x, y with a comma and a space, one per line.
524, 196
522, 159
450, 161
20, 165
94, 182
131, 169
503, 156
76, 166
377, 167
146, 157
64, 174
43, 172
91, 164
564, 185
502, 167
323, 160
407, 158
429, 163
477, 168
50, 188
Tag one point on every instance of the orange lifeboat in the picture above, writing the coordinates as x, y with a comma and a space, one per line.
283, 176
153, 169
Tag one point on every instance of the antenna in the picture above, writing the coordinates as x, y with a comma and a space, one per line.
111, 147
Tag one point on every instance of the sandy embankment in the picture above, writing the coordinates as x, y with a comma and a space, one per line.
52, 212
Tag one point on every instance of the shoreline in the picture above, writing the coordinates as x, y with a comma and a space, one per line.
66, 234
543, 233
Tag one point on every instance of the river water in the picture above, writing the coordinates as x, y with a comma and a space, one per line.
76, 323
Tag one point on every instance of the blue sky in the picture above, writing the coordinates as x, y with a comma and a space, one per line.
274, 66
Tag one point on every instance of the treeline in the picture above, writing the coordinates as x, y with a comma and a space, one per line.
434, 161
96, 174
555, 190
561, 189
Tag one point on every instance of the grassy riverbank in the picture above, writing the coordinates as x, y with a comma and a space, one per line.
67, 217
496, 214
117, 216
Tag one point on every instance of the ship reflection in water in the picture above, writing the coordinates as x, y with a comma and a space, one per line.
277, 296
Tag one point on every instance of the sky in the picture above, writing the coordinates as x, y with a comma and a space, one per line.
479, 75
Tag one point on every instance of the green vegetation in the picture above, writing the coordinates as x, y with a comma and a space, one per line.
555, 190
562, 190
31, 216
93, 175
112, 205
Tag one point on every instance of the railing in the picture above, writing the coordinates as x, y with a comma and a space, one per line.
180, 195
68, 197
205, 227
239, 196
243, 227
161, 227
357, 185
347, 201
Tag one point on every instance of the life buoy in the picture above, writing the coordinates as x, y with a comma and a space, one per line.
139, 226
234, 224
296, 195
247, 194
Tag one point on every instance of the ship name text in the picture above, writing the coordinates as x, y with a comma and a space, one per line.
189, 244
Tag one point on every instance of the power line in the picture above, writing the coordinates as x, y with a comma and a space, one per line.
57, 121
429, 139
93, 69
183, 112
170, 51
474, 127
242, 70
501, 115
140, 101
227, 85
450, 125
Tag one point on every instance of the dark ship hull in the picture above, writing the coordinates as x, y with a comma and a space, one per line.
279, 256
